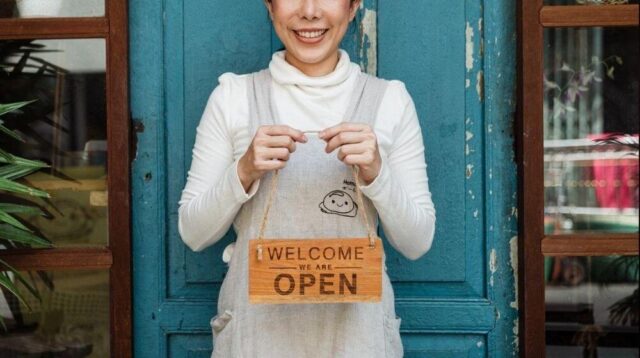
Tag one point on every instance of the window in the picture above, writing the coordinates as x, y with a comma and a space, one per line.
71, 58
578, 177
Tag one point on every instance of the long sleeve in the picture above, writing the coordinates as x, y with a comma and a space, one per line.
400, 192
213, 193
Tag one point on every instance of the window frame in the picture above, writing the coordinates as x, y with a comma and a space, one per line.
116, 256
532, 17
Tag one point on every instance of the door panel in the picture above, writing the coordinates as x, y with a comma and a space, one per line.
459, 299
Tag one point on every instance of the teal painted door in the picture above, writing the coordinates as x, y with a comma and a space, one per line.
457, 60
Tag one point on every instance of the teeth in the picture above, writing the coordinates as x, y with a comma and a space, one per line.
310, 34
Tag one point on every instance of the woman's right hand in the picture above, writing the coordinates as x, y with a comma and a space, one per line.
269, 150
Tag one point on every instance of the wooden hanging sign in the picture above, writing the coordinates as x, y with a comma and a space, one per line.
315, 270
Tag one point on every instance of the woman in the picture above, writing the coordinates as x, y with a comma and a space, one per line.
313, 116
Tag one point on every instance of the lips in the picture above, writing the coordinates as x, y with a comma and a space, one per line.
310, 35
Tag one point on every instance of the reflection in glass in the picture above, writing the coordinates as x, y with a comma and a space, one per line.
589, 2
51, 8
591, 129
65, 128
592, 306
71, 320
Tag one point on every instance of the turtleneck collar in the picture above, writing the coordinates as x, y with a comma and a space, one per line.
284, 73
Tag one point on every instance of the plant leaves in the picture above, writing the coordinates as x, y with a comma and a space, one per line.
20, 209
5, 217
11, 107
13, 171
10, 286
10, 133
5, 157
11, 186
13, 234
22, 279
22, 161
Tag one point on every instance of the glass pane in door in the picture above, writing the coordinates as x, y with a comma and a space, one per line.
591, 130
589, 2
591, 306
64, 127
51, 8
71, 319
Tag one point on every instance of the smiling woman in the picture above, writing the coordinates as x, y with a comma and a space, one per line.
311, 31
264, 145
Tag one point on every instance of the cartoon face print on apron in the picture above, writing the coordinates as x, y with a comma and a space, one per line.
315, 197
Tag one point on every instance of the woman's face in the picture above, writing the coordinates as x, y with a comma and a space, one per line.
311, 30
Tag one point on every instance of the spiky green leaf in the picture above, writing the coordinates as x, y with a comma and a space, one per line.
19, 209
6, 218
10, 107
13, 234
11, 186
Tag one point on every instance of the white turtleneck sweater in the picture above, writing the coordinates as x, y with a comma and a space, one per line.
214, 194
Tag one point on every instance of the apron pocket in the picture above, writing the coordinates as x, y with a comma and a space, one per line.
221, 326
393, 342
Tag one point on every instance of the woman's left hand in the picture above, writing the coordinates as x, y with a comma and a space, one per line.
357, 145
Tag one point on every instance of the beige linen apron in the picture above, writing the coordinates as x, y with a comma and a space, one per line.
315, 197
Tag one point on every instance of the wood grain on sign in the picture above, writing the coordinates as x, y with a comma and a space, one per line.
315, 270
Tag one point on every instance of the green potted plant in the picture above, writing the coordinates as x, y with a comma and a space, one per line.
13, 232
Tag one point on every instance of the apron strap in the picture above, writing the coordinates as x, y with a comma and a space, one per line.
362, 108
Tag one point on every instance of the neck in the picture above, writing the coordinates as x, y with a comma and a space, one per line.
321, 68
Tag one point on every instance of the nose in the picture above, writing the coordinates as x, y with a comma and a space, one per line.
309, 9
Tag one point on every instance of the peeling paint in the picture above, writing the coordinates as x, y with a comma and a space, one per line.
469, 46
475, 213
490, 128
469, 170
513, 255
467, 149
369, 32
493, 264
516, 342
481, 47
480, 85
479, 344
467, 83
468, 135
493, 261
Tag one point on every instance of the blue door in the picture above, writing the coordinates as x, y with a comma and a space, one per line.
457, 60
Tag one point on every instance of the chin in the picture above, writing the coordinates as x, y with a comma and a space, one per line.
311, 55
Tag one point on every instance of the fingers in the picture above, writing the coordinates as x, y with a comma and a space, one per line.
279, 130
350, 149
330, 132
270, 158
278, 141
357, 159
344, 138
268, 165
274, 153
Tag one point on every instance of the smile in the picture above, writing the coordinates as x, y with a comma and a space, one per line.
311, 34
310, 37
